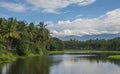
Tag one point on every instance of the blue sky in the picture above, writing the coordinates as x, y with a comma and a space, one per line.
67, 17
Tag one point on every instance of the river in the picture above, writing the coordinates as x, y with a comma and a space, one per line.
62, 64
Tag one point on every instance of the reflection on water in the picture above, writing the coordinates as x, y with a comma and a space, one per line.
5, 68
62, 64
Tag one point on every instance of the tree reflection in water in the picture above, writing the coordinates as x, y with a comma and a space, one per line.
36, 65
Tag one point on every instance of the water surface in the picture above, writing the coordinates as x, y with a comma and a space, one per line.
62, 64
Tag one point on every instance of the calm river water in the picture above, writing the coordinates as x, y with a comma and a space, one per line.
62, 64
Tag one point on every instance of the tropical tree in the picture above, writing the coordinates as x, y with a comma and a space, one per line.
42, 37
31, 31
43, 32
1, 28
55, 44
26, 38
10, 33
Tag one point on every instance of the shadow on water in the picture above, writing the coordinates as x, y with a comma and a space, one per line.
63, 64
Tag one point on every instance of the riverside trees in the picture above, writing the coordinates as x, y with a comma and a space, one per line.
23, 39
111, 44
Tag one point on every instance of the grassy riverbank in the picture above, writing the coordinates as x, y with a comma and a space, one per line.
114, 57
101, 51
56, 52
92, 51
10, 57
7, 58
85, 51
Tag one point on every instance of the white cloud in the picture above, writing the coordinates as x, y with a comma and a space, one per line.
107, 23
86, 2
13, 6
52, 6
49, 6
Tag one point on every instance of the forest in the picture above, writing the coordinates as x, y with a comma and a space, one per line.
98, 44
18, 38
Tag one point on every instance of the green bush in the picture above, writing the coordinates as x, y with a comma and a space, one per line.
22, 47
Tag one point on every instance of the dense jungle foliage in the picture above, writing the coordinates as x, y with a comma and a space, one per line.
21, 38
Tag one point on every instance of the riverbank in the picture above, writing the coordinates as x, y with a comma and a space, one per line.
10, 57
117, 56
90, 51
56, 52
7, 58
114, 57
93, 51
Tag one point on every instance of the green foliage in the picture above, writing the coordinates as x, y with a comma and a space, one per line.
5, 55
22, 47
22, 39
112, 44
114, 57
2, 47
55, 44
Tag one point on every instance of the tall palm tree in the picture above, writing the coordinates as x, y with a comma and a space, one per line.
1, 27
43, 32
42, 36
31, 31
10, 32
2, 22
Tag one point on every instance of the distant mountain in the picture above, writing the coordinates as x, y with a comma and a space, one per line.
93, 37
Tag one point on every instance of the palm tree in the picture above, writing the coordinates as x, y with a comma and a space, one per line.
1, 28
31, 31
10, 33
43, 32
0, 36
42, 36
2, 21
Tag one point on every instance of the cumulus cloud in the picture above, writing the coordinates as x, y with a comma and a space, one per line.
13, 6
107, 23
52, 6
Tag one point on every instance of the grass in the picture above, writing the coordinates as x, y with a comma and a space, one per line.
114, 57
92, 51
7, 58
10, 57
85, 51
100, 51
56, 52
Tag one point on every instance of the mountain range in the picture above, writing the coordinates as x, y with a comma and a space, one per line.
88, 37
